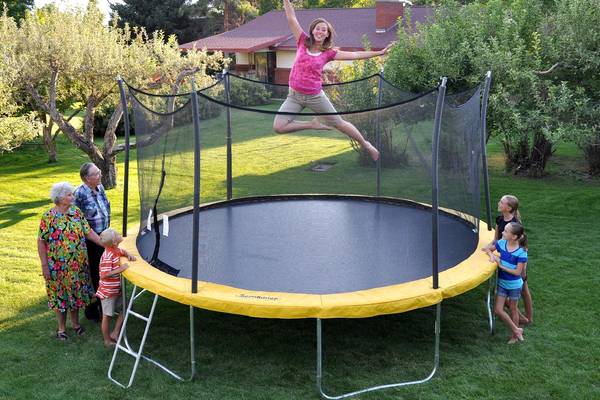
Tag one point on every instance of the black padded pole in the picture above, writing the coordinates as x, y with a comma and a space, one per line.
126, 168
377, 130
229, 155
435, 182
483, 124
196, 214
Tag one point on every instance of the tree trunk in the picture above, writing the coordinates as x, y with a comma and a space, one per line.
49, 140
591, 151
540, 154
528, 158
108, 166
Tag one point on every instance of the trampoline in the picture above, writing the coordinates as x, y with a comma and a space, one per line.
290, 255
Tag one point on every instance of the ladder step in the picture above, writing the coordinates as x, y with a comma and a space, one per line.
140, 316
126, 350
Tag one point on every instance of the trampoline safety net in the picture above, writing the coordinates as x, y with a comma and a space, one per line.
242, 111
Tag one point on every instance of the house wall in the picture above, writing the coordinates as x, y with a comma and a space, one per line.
285, 61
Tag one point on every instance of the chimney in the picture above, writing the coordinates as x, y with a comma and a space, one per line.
387, 13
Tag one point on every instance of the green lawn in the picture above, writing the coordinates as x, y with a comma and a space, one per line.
240, 357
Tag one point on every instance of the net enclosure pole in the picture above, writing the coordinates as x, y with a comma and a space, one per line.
196, 214
483, 125
127, 146
377, 128
229, 153
435, 182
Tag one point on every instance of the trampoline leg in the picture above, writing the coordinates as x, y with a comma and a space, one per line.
489, 306
436, 361
124, 346
192, 345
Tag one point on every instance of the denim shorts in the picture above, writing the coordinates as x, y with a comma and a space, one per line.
318, 103
512, 294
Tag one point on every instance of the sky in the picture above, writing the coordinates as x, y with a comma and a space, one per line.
103, 4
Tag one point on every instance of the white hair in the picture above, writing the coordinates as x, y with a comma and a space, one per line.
108, 236
60, 190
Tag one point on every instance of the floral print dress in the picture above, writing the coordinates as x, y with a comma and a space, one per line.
69, 285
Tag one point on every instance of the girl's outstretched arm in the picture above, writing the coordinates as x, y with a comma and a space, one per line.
361, 55
290, 14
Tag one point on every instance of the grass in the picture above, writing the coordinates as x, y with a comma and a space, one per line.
240, 357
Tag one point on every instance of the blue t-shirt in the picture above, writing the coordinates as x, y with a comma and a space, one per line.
510, 259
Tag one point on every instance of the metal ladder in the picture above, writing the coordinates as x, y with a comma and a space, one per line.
124, 346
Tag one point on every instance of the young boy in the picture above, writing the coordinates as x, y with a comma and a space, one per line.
109, 289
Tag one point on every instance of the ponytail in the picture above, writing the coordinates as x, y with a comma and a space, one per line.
523, 241
518, 230
518, 216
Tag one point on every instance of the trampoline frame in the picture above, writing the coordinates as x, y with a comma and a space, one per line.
138, 355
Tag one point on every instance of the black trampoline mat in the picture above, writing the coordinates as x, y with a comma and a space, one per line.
312, 245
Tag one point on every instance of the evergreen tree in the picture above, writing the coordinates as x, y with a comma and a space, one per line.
17, 8
173, 17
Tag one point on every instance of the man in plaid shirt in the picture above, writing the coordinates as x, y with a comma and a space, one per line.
91, 198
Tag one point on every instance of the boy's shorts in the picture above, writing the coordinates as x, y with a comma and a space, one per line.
111, 305
513, 294
318, 103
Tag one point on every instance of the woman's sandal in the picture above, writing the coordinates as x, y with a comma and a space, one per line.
79, 330
61, 335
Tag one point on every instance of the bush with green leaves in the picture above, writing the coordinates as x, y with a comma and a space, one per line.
510, 38
245, 93
575, 53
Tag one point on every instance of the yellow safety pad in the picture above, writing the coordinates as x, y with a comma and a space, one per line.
365, 303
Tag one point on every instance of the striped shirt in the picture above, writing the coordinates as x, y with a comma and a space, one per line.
94, 205
510, 259
110, 286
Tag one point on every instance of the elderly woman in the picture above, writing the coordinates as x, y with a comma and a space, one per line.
91, 199
63, 253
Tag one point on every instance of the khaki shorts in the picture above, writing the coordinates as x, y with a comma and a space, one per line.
318, 103
112, 305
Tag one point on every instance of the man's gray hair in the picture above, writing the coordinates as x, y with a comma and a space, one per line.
59, 191
84, 171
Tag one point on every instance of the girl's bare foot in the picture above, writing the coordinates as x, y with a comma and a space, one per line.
523, 320
373, 152
317, 125
519, 334
110, 343
513, 339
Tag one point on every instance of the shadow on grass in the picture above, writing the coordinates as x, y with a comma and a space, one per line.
11, 214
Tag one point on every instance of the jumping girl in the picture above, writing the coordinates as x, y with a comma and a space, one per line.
314, 51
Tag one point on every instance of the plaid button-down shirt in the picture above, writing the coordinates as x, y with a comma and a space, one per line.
94, 205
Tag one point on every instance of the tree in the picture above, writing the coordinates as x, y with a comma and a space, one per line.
338, 3
17, 8
236, 12
63, 54
173, 17
16, 125
574, 54
508, 38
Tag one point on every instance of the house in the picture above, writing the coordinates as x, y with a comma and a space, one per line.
266, 47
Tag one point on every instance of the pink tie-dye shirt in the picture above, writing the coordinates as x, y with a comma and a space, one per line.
306, 72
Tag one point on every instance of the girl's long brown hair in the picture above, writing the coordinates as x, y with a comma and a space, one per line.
513, 203
310, 40
518, 230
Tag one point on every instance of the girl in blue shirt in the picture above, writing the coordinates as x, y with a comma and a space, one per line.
512, 249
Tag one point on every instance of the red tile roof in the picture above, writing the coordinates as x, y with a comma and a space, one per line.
271, 30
